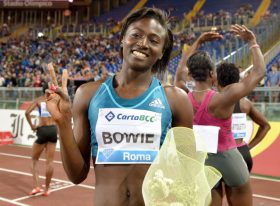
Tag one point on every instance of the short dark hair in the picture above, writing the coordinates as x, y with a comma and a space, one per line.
162, 17
227, 73
200, 64
45, 86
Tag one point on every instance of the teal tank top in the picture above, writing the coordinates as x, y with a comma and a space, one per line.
128, 124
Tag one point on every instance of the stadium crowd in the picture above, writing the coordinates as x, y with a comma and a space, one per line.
23, 60
5, 30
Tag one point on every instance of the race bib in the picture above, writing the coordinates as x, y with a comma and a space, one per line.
238, 125
206, 138
127, 136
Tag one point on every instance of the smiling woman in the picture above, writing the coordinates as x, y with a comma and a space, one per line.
149, 36
120, 167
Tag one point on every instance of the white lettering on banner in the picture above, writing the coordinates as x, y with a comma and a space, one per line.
7, 139
123, 129
15, 122
136, 157
27, 3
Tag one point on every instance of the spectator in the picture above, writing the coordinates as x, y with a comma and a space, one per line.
274, 81
2, 80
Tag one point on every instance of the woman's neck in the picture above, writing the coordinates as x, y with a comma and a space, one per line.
201, 86
137, 78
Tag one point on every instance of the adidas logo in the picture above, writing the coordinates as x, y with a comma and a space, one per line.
157, 103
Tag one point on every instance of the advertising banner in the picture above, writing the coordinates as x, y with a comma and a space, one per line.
38, 4
14, 124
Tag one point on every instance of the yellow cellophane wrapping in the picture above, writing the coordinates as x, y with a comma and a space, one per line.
178, 176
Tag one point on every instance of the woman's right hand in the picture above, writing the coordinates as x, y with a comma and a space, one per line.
58, 101
244, 33
209, 36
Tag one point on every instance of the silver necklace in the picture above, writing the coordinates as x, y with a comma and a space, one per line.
204, 90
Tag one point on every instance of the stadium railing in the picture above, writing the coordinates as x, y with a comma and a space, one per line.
18, 98
14, 98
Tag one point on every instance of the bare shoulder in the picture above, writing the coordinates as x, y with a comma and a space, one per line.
40, 99
90, 87
181, 107
85, 92
173, 90
245, 105
175, 95
35, 103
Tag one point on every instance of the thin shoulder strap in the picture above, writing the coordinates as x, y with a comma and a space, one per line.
195, 104
200, 108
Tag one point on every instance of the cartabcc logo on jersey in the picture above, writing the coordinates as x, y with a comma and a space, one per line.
144, 118
110, 116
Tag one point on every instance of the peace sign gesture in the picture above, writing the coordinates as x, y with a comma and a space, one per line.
58, 102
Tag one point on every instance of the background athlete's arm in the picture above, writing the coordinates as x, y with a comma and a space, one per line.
238, 90
28, 111
182, 70
259, 119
